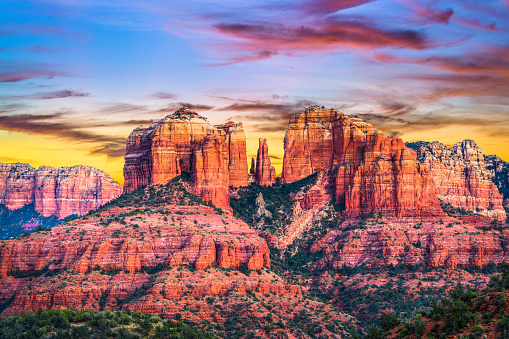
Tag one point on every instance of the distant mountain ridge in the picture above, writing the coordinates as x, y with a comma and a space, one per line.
465, 177
53, 192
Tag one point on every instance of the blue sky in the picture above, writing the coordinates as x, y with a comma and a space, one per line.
77, 76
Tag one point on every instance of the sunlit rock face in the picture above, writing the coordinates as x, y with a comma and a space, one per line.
372, 173
463, 176
59, 192
184, 141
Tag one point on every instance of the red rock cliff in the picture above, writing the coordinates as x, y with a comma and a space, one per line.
158, 153
235, 139
462, 177
56, 191
362, 159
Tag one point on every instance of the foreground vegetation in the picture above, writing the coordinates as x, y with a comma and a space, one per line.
465, 313
69, 323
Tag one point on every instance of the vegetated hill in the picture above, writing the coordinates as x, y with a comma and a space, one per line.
23, 220
367, 266
465, 313
70, 323
161, 250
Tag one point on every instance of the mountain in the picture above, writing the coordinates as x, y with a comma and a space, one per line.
36, 197
161, 250
356, 226
185, 142
368, 172
463, 177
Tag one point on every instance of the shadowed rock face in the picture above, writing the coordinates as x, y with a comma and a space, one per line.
60, 191
463, 177
165, 149
372, 172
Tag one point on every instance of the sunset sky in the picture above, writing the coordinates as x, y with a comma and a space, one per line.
77, 76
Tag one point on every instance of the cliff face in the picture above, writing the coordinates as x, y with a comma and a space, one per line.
56, 191
462, 176
160, 152
372, 172
235, 140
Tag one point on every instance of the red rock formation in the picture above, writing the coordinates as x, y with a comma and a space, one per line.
210, 171
372, 172
235, 139
56, 191
452, 243
462, 177
17, 184
265, 173
308, 144
158, 153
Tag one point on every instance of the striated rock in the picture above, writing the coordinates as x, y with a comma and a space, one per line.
453, 243
235, 140
165, 149
17, 185
59, 192
462, 176
308, 143
265, 173
210, 171
372, 172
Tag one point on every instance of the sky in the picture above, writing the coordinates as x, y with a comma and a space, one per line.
77, 76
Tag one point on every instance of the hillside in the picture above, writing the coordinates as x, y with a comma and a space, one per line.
465, 313
161, 250
70, 323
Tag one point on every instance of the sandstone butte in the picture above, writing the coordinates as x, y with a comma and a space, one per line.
370, 172
59, 192
462, 177
184, 141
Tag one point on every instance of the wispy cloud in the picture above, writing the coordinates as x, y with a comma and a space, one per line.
163, 95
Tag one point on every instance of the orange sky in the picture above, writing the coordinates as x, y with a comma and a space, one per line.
40, 150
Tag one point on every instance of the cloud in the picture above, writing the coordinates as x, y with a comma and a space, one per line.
59, 125
265, 116
175, 106
122, 108
43, 49
330, 6
163, 95
262, 55
60, 94
333, 34
16, 76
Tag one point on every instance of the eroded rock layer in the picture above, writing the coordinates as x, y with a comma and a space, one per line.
59, 192
372, 172
165, 149
462, 176
235, 139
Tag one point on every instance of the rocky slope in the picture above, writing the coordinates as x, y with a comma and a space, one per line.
56, 192
184, 141
372, 173
159, 250
462, 176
